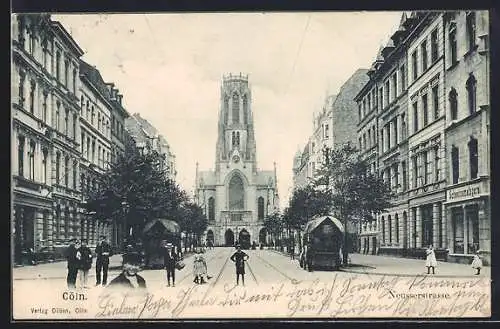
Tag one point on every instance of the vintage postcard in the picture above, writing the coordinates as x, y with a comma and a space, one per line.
250, 165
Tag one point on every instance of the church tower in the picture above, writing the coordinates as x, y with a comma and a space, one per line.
236, 138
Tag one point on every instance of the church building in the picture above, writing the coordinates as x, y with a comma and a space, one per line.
236, 196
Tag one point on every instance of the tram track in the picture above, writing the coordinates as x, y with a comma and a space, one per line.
268, 264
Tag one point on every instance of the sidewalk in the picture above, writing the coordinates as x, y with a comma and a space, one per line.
58, 270
395, 266
405, 267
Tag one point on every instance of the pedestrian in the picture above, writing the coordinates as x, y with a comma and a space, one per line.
292, 250
103, 252
199, 268
84, 256
72, 263
129, 278
170, 259
309, 257
430, 261
477, 263
239, 258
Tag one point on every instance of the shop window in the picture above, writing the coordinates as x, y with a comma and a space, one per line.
427, 225
458, 230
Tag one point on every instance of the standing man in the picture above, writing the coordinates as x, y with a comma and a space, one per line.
72, 263
102, 251
239, 258
170, 260
84, 256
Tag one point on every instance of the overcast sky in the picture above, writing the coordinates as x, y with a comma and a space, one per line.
169, 69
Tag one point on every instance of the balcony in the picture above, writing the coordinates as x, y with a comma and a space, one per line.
28, 184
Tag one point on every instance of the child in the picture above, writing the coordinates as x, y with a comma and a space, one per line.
430, 261
477, 263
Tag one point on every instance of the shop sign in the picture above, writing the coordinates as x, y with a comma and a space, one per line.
466, 192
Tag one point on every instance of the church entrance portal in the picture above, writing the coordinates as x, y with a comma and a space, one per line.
263, 236
229, 238
244, 239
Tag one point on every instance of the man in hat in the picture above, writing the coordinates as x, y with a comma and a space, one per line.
72, 264
170, 259
239, 258
102, 251
129, 277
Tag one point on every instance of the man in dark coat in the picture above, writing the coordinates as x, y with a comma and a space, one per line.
102, 251
84, 256
239, 258
129, 279
72, 264
169, 261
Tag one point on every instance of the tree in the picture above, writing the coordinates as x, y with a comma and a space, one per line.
274, 225
356, 194
135, 190
192, 220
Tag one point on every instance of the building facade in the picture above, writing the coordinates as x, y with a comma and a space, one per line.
429, 136
144, 133
467, 134
95, 142
236, 196
45, 134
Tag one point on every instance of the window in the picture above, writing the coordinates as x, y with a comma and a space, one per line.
88, 111
425, 110
245, 109
471, 93
415, 117
434, 45
387, 93
236, 193
66, 122
471, 30
75, 120
394, 86
402, 74
369, 138
382, 221
93, 152
226, 109
22, 78
44, 107
395, 130
415, 171
427, 172
57, 115
66, 73
260, 204
58, 168
74, 81
396, 225
403, 127
58, 69
87, 154
21, 31
45, 154
32, 40
99, 121
452, 40
369, 101
211, 208
360, 144
455, 164
45, 58
452, 97
20, 156
381, 138
92, 116
473, 158
388, 130
364, 141
99, 163
31, 164
236, 108
414, 65
436, 164
389, 222
327, 131
435, 101
32, 97
423, 49
66, 171
359, 111
75, 175
395, 170
82, 104
381, 98
403, 165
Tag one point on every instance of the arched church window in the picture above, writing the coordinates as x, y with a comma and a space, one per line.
260, 208
236, 193
226, 109
233, 138
245, 109
211, 208
236, 108
238, 139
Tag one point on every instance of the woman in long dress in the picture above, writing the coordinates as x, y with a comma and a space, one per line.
430, 261
200, 268
477, 263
